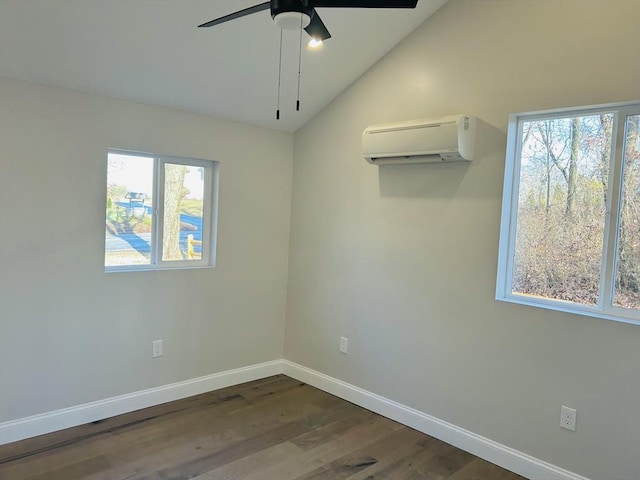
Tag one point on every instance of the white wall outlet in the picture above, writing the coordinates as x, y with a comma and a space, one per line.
157, 349
568, 418
344, 345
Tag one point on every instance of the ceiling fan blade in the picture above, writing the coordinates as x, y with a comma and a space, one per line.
241, 13
316, 29
364, 3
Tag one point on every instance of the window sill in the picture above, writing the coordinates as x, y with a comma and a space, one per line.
616, 314
145, 268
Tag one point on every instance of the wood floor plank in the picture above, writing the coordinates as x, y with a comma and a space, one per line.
223, 440
341, 420
425, 464
385, 451
245, 466
272, 429
309, 460
73, 435
479, 469
76, 471
163, 433
363, 461
237, 452
141, 437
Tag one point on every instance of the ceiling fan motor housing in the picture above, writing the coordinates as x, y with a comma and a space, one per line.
291, 14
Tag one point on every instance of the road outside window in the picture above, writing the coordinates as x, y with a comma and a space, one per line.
160, 212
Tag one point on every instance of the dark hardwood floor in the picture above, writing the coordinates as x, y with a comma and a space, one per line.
271, 429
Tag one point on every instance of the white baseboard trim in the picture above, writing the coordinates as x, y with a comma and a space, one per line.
35, 425
494, 452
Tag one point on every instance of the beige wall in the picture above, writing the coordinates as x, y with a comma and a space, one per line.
402, 259
71, 334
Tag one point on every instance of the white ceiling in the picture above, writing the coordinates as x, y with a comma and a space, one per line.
150, 51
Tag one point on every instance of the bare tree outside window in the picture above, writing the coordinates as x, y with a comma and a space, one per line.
561, 213
570, 235
627, 287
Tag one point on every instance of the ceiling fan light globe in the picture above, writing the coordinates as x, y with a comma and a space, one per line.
292, 20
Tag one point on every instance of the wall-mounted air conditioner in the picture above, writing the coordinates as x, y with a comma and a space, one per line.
430, 140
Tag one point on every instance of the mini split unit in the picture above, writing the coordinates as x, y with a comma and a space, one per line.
431, 140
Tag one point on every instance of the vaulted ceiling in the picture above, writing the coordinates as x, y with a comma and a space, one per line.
150, 51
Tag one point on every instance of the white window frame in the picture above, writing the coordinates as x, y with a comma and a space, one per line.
508, 222
209, 214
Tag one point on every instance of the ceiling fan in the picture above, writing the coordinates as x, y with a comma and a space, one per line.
301, 14
294, 14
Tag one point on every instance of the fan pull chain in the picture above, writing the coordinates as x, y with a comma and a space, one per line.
279, 78
299, 66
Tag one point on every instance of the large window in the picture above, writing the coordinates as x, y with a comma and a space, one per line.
160, 212
570, 233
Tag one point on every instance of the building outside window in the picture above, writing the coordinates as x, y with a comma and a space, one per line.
161, 212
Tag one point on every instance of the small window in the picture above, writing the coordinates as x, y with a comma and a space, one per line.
570, 230
161, 212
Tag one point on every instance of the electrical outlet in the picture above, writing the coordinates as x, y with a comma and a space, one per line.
157, 349
344, 345
568, 418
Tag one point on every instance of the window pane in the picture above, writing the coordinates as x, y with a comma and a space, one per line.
129, 210
627, 287
561, 207
183, 212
